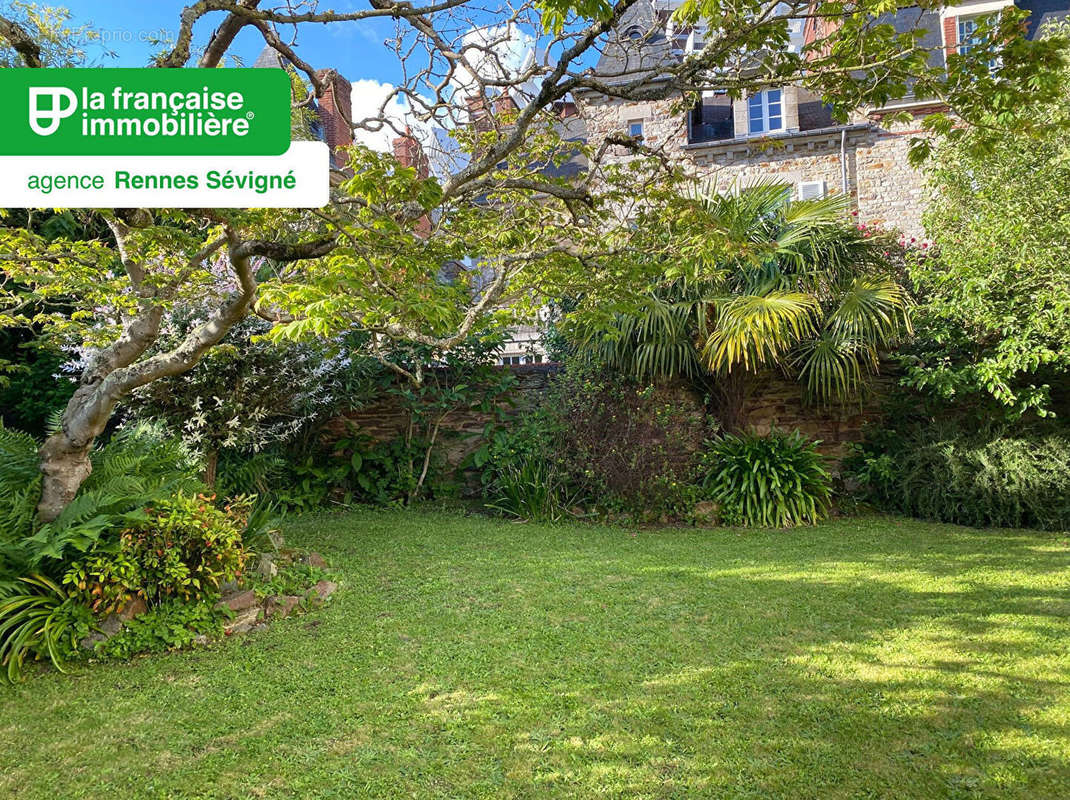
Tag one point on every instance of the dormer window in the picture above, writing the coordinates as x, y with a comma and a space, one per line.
765, 111
635, 33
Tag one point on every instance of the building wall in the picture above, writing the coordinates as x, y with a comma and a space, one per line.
885, 189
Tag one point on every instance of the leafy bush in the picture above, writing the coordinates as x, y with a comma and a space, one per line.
20, 488
40, 620
170, 626
31, 392
533, 490
296, 578
775, 481
518, 469
997, 476
137, 467
627, 447
185, 548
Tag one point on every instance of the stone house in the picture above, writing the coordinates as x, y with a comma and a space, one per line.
786, 132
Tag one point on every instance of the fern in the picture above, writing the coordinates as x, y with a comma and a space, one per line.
138, 467
20, 485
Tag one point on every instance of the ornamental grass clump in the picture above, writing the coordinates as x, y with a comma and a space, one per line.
774, 481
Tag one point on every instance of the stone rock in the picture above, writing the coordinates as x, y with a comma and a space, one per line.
245, 620
200, 639
314, 559
280, 606
324, 589
134, 608
707, 512
266, 566
106, 628
240, 601
229, 587
90, 642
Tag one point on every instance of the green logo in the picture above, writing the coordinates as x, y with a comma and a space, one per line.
149, 112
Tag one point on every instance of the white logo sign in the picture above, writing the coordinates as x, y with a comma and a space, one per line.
55, 110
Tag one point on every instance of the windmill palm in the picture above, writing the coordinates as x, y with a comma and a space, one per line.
764, 283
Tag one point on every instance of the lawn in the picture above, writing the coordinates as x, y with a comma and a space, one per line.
465, 657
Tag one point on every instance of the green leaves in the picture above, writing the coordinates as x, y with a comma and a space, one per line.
758, 281
41, 621
753, 331
994, 317
775, 481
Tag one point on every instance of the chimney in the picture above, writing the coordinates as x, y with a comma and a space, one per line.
335, 108
504, 104
410, 153
478, 114
566, 108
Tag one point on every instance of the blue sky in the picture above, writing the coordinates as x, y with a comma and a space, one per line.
354, 49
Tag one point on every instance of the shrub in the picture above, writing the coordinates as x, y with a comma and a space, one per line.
185, 548
170, 626
998, 477
535, 490
137, 467
41, 620
775, 481
626, 446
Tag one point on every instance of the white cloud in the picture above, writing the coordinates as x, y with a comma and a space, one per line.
367, 99
507, 50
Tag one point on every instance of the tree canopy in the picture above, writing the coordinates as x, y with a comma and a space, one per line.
489, 234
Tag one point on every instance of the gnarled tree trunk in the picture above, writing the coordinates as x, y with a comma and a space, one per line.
119, 369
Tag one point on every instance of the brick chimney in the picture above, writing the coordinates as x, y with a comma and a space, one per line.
410, 153
335, 108
504, 104
478, 113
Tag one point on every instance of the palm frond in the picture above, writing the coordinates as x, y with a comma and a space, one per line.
873, 311
833, 367
755, 330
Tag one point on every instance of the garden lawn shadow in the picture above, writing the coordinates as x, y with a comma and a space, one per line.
467, 657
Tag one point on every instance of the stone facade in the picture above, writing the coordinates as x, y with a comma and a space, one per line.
865, 158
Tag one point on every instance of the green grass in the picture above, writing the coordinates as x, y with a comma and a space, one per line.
471, 658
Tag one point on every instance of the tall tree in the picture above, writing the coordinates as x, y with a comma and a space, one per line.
995, 288
779, 285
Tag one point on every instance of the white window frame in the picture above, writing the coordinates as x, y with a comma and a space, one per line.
763, 118
964, 44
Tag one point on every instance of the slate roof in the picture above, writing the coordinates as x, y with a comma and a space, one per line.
1044, 13
639, 49
269, 58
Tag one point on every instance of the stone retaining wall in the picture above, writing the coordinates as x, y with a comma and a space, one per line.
772, 402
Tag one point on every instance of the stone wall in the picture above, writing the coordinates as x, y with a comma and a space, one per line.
772, 402
461, 430
885, 189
